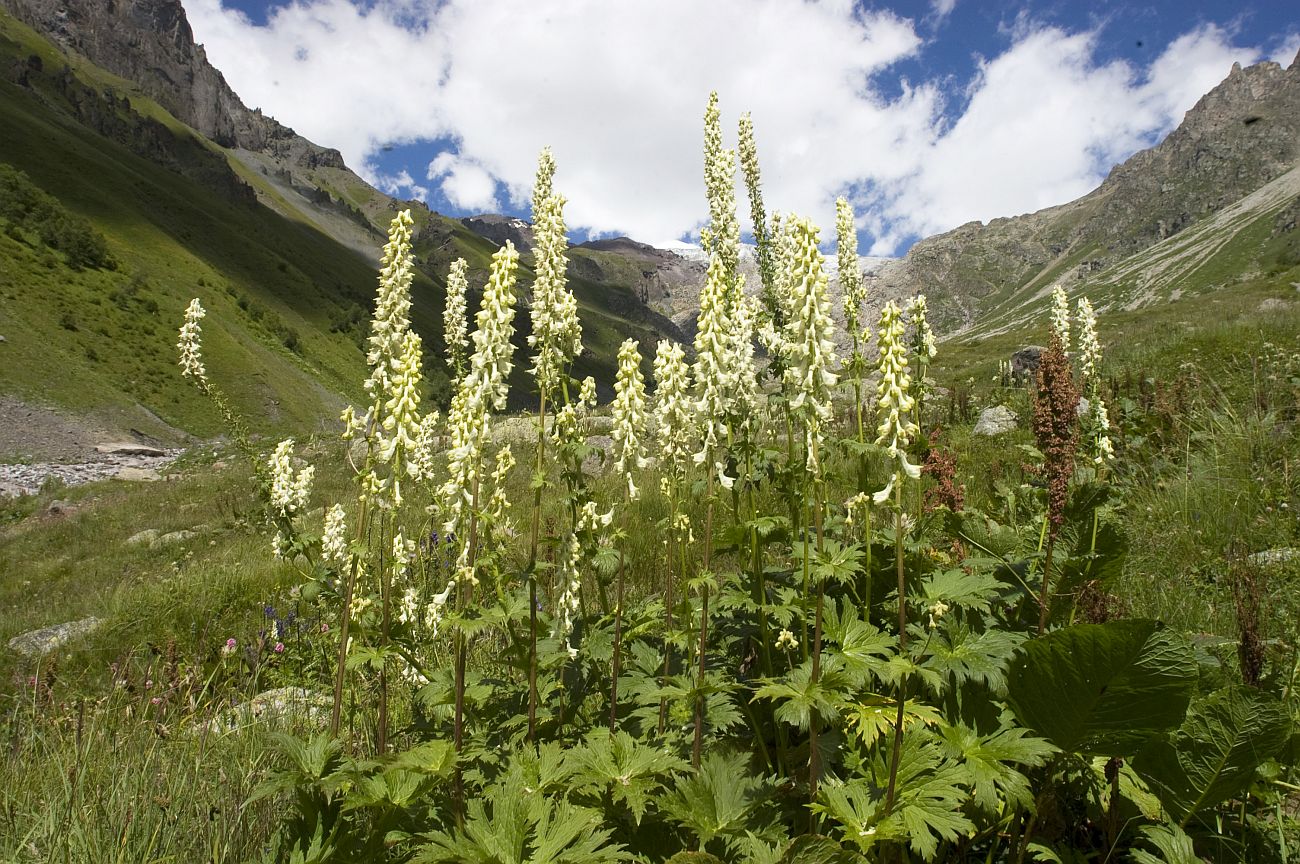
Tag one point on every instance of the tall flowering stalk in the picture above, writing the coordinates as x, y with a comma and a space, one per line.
723, 233
676, 429
924, 348
482, 390
1061, 317
895, 405
758, 216
808, 335
894, 402
854, 296
455, 326
189, 347
1089, 360
629, 445
556, 339
809, 377
1055, 427
391, 425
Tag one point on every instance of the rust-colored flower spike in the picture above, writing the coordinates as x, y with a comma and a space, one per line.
1055, 426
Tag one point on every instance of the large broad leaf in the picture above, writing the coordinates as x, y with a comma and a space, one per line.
1213, 756
1103, 689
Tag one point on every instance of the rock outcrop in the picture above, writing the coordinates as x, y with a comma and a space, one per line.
1242, 135
150, 43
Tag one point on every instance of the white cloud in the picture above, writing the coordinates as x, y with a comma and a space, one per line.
401, 185
618, 91
467, 184
1287, 50
1045, 123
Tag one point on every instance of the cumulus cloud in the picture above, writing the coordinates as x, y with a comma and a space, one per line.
465, 183
401, 185
618, 91
1045, 123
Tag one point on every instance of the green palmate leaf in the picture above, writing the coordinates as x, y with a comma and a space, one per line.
515, 823
1214, 755
797, 695
975, 590
617, 765
986, 763
959, 655
716, 801
1103, 689
864, 649
1172, 845
928, 809
872, 717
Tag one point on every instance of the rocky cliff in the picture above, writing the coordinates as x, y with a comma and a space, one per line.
149, 42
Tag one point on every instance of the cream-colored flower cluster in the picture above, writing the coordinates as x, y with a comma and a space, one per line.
490, 366
1061, 317
498, 507
557, 333
722, 237
1089, 361
455, 320
393, 305
748, 149
809, 336
923, 337
398, 444
893, 401
852, 286
713, 375
590, 522
629, 411
483, 388
289, 492
190, 346
674, 411
333, 543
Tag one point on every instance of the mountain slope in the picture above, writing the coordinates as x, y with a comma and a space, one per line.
275, 234
1240, 137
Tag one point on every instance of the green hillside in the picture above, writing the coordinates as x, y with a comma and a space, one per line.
288, 305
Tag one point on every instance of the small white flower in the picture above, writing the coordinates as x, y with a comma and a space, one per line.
629, 411
455, 324
894, 402
1061, 317
786, 641
334, 546
189, 346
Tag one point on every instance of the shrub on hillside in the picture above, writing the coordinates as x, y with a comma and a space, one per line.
27, 207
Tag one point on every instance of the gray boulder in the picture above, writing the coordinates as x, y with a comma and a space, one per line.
997, 420
38, 643
1024, 363
1273, 557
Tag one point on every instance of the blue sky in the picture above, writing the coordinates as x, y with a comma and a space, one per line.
926, 114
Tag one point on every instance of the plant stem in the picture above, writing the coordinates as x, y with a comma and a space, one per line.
344, 615
534, 532
618, 634
897, 754
1045, 597
668, 602
814, 720
385, 587
462, 602
704, 623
